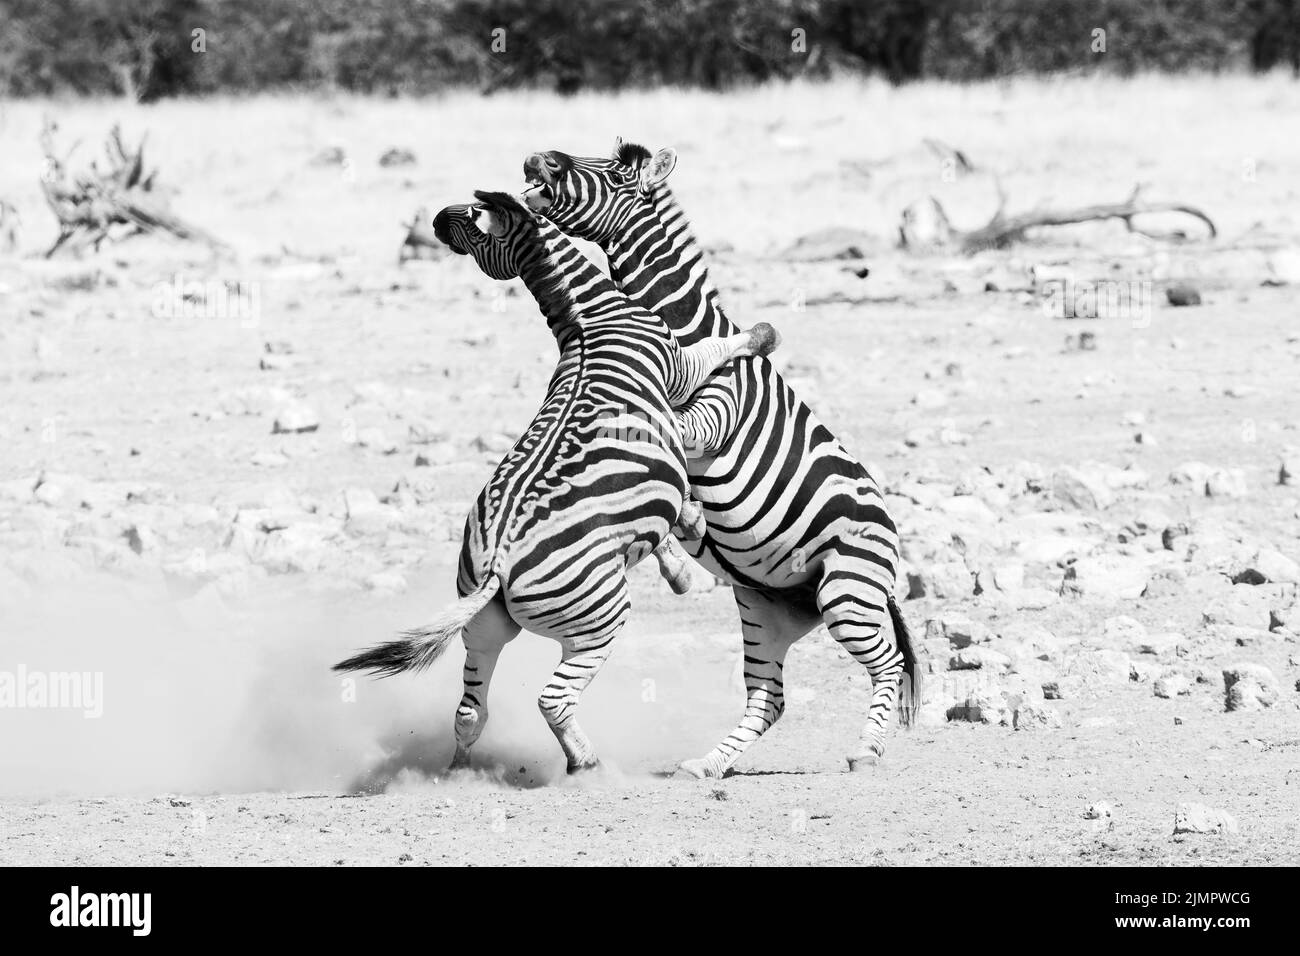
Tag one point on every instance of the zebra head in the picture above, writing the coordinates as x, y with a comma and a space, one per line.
594, 198
499, 231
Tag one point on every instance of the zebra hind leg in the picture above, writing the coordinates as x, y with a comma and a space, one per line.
855, 597
769, 626
559, 698
490, 630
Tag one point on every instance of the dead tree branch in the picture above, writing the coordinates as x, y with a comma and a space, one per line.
116, 202
1003, 230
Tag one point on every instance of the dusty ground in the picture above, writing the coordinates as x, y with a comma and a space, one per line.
154, 530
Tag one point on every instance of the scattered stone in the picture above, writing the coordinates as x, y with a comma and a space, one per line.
1171, 685
397, 156
1194, 473
958, 630
1171, 534
1226, 483
1122, 630
1064, 688
979, 658
1183, 294
1098, 811
1165, 644
330, 156
1009, 577
1274, 567
950, 580
1289, 471
1198, 818
1036, 717
496, 443
1097, 669
1249, 687
295, 418
1079, 489
1140, 672
1243, 606
1106, 576
374, 439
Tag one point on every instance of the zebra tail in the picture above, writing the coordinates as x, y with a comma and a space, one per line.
421, 646
910, 697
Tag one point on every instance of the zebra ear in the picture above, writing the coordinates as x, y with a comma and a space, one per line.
503, 206
657, 170
617, 155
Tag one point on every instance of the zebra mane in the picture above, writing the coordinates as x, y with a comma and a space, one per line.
632, 154
550, 290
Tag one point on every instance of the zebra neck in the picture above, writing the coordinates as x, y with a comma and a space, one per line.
570, 290
657, 263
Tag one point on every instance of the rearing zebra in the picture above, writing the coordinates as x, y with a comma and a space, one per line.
591, 488
795, 523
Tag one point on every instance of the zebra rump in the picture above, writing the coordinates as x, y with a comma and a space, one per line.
421, 646
910, 697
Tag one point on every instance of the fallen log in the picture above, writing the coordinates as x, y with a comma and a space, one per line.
113, 203
927, 224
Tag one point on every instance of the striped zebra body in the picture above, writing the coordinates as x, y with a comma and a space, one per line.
795, 523
591, 488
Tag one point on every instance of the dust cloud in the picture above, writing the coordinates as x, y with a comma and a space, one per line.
200, 695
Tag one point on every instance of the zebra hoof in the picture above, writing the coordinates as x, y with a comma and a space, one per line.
694, 770
458, 762
764, 339
865, 762
576, 770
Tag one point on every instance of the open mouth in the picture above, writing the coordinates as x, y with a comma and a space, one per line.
539, 195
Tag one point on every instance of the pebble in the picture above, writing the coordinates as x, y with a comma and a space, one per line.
1183, 294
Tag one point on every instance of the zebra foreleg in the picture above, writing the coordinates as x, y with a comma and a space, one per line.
489, 631
769, 626
695, 363
559, 699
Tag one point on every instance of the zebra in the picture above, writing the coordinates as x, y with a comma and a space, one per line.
590, 489
795, 523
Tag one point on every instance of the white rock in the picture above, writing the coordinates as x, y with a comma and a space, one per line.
1198, 818
1106, 577
295, 418
1226, 483
1243, 606
1276, 567
1097, 669
1194, 473
1009, 577
979, 658
1249, 687
1098, 811
1163, 644
1171, 685
958, 629
1036, 717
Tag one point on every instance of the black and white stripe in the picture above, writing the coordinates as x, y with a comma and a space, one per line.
590, 489
795, 522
